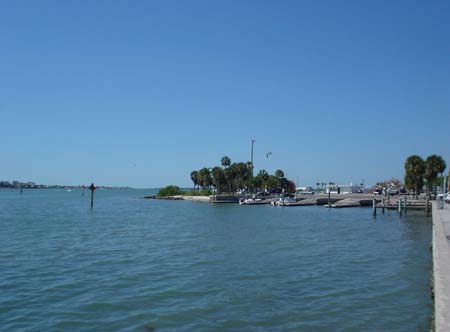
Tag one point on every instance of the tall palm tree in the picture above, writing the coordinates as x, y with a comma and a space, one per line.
205, 178
415, 169
195, 178
226, 161
434, 165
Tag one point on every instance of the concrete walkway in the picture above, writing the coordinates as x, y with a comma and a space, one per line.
441, 267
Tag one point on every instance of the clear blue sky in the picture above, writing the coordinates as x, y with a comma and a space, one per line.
140, 93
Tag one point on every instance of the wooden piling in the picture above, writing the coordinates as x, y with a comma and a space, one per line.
400, 207
382, 206
329, 199
404, 203
92, 188
374, 206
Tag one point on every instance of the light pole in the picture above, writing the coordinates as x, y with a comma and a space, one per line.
251, 160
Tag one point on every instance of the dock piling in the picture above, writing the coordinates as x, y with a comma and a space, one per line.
374, 206
92, 188
400, 207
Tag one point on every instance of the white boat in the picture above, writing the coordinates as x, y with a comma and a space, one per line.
249, 201
284, 201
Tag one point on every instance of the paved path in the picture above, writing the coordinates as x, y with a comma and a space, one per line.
441, 267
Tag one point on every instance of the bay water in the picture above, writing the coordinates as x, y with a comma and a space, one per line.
132, 264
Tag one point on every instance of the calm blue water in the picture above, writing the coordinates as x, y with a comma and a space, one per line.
146, 265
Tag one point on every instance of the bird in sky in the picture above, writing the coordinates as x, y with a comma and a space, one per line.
268, 154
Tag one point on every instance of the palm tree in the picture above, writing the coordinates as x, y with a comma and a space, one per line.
263, 175
317, 184
195, 178
415, 169
255, 183
218, 178
434, 165
226, 161
273, 182
205, 178
279, 173
229, 177
242, 173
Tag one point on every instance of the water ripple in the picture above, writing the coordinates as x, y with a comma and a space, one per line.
139, 265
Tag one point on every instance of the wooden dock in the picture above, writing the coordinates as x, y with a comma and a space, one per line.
377, 202
403, 203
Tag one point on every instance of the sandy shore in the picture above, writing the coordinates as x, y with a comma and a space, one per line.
204, 199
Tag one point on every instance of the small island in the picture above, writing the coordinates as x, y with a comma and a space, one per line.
228, 182
235, 182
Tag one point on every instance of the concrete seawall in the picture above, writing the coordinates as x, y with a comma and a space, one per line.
441, 267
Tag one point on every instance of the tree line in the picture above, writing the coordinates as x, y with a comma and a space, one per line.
233, 176
419, 172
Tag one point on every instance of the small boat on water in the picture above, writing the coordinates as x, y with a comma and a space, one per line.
282, 201
251, 201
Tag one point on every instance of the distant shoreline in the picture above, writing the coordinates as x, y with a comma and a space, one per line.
62, 187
